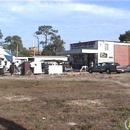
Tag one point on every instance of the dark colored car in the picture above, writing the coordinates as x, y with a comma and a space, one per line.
128, 68
107, 67
123, 68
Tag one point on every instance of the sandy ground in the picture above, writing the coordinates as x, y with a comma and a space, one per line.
71, 101
122, 78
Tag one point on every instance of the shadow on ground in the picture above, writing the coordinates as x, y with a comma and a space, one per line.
10, 125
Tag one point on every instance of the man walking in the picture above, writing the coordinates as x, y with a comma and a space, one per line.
11, 69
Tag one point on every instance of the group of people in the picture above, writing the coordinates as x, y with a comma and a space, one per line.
13, 69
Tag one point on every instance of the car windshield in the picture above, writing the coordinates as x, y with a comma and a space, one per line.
98, 64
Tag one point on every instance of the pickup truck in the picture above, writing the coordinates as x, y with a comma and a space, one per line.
107, 67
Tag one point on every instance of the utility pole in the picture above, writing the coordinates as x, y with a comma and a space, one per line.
33, 45
17, 50
38, 42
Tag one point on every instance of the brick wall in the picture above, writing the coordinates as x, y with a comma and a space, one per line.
122, 54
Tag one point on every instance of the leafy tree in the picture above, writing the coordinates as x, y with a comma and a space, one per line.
125, 37
58, 43
14, 43
25, 52
1, 35
47, 32
52, 42
8, 40
48, 50
5, 46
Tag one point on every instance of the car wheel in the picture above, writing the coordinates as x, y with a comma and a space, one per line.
90, 71
108, 71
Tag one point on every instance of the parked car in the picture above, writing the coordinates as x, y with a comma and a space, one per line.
107, 67
123, 68
67, 66
128, 68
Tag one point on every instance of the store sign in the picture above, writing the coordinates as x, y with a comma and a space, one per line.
84, 45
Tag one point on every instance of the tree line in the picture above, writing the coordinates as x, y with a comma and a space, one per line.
51, 43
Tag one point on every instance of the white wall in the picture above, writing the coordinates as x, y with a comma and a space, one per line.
43, 58
55, 69
109, 52
37, 67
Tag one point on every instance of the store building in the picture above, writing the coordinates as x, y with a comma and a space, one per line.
83, 53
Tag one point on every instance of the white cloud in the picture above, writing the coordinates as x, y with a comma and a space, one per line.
61, 0
74, 20
100, 10
36, 0
61, 8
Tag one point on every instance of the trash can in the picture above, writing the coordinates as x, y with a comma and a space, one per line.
25, 68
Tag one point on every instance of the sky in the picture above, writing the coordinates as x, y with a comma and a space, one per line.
75, 20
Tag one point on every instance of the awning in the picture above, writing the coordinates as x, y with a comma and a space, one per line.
9, 58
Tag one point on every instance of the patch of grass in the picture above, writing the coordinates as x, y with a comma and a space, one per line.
50, 96
122, 108
86, 127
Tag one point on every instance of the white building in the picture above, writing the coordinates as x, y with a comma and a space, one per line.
83, 53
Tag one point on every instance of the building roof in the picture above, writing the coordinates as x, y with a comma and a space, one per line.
102, 40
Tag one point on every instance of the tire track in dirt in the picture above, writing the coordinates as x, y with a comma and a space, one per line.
122, 84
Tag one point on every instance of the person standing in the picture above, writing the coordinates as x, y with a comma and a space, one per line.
12, 69
91, 63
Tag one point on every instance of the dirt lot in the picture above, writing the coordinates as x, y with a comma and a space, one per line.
74, 101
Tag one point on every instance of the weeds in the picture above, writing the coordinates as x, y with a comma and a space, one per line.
51, 95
